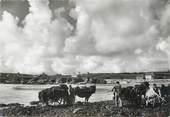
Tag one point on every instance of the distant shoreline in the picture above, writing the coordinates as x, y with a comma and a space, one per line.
98, 78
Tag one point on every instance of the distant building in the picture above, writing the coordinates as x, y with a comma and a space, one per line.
157, 75
149, 76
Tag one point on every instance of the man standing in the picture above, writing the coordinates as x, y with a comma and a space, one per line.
72, 95
116, 92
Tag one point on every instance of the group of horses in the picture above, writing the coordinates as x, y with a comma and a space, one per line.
61, 95
134, 95
144, 95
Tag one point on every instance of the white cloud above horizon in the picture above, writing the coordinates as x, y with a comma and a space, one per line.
109, 36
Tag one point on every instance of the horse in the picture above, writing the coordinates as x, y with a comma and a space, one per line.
125, 93
54, 94
134, 94
165, 90
44, 96
85, 92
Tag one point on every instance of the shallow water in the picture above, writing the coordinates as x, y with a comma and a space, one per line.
12, 93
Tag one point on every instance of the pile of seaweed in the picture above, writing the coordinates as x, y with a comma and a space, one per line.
95, 109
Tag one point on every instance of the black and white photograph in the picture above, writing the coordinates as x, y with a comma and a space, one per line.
84, 58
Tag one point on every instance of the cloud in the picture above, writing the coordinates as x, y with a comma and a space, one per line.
126, 31
30, 49
164, 43
113, 25
109, 36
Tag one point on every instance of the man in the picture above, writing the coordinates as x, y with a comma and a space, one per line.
71, 95
116, 92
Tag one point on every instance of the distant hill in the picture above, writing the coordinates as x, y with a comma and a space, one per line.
18, 78
134, 75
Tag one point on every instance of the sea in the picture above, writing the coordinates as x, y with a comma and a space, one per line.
24, 94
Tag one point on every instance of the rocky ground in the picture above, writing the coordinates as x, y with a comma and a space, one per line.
96, 109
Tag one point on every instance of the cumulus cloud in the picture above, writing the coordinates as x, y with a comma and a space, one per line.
30, 49
109, 36
126, 31
114, 24
164, 43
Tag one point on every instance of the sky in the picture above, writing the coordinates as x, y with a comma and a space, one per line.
72, 36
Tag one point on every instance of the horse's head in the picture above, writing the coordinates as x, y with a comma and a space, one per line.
64, 86
93, 88
143, 87
146, 84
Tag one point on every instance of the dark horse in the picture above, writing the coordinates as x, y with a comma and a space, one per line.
135, 94
54, 94
85, 92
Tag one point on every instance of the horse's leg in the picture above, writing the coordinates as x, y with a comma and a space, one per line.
87, 100
154, 102
146, 103
55, 102
59, 101
46, 102
64, 101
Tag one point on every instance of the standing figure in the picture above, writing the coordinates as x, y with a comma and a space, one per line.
71, 95
116, 92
